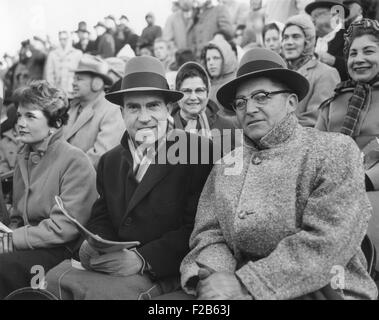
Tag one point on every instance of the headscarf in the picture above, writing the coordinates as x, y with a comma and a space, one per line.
305, 23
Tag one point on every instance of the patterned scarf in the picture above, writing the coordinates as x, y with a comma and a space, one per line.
143, 156
357, 103
191, 126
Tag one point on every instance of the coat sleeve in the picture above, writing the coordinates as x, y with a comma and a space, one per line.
224, 22
323, 117
108, 48
100, 222
323, 89
49, 69
78, 194
207, 243
111, 129
166, 253
168, 30
335, 221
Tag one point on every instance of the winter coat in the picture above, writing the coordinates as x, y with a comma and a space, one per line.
8, 151
97, 129
57, 168
332, 115
60, 66
176, 30
209, 21
290, 216
323, 79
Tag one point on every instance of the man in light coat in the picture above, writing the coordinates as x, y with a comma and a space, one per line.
95, 125
294, 215
61, 63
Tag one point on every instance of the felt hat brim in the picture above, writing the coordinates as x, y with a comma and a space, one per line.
295, 81
117, 97
322, 4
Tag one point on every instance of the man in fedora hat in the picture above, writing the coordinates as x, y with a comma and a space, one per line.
95, 125
298, 208
329, 18
144, 196
84, 44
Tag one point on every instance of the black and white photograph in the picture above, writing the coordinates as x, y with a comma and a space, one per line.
189, 153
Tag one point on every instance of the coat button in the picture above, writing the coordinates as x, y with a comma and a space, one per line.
242, 214
256, 160
128, 221
35, 158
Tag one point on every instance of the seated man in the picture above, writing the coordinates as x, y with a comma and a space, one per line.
95, 125
146, 194
291, 224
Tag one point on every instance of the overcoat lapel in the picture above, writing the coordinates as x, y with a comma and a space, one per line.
85, 116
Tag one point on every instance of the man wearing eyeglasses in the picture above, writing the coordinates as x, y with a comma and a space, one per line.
297, 209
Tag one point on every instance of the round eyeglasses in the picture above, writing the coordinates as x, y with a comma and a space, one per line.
259, 98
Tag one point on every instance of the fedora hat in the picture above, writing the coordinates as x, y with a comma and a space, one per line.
326, 4
82, 27
142, 74
96, 66
261, 62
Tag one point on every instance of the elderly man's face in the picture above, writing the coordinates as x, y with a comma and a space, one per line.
145, 115
260, 117
322, 19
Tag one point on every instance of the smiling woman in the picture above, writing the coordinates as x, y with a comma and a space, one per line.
354, 110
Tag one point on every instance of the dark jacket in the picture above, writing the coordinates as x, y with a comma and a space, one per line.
91, 47
335, 48
106, 46
159, 212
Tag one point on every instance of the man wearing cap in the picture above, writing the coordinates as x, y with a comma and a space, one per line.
145, 195
277, 230
151, 32
328, 18
95, 125
84, 44
356, 11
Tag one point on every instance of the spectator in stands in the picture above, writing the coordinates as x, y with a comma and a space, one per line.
162, 52
125, 35
221, 63
272, 38
105, 42
84, 44
299, 36
353, 110
46, 166
178, 24
330, 33
95, 125
356, 11
208, 20
151, 32
61, 63
238, 11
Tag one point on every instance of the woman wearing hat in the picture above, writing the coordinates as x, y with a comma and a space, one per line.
221, 64
298, 49
196, 112
353, 110
290, 224
46, 166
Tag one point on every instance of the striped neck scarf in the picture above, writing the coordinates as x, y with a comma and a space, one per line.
202, 119
356, 104
144, 155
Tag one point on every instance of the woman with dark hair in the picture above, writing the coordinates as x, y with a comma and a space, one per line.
354, 108
46, 166
220, 62
196, 112
271, 37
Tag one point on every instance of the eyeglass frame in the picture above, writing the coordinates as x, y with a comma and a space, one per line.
251, 97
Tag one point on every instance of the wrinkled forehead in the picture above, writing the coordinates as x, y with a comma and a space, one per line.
320, 11
144, 97
254, 84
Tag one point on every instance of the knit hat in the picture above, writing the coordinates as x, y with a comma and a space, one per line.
304, 22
